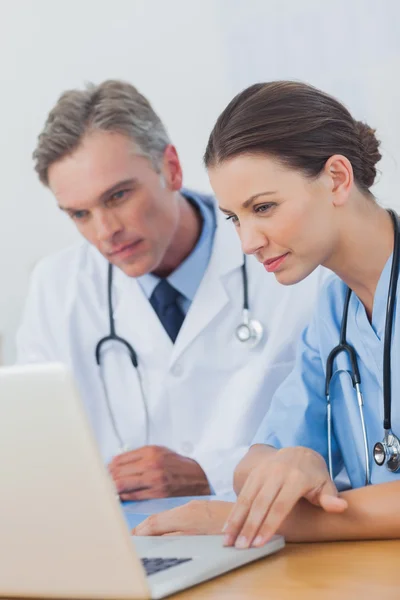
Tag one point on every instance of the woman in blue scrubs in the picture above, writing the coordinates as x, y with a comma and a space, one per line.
292, 170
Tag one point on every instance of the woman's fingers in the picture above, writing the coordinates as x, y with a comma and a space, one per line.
279, 510
198, 517
327, 497
250, 509
160, 523
272, 505
333, 504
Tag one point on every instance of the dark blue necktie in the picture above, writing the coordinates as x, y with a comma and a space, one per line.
164, 301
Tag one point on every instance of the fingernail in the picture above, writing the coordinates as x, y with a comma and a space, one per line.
225, 527
241, 542
259, 541
227, 540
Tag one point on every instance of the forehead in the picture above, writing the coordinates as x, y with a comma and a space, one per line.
238, 178
100, 161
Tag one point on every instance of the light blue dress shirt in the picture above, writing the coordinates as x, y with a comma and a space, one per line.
298, 411
187, 277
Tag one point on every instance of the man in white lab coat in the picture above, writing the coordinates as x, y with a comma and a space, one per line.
174, 411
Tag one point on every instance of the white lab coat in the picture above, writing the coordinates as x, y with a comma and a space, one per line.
208, 392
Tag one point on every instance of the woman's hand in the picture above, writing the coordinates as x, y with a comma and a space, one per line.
198, 517
272, 489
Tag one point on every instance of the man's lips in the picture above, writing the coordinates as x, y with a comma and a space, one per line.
124, 249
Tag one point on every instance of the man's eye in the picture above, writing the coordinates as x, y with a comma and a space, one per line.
79, 215
119, 195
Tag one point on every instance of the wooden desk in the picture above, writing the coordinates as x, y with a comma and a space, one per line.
342, 570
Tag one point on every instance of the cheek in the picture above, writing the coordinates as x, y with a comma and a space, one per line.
136, 213
87, 230
298, 227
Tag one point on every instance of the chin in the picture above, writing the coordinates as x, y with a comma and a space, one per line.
291, 276
136, 268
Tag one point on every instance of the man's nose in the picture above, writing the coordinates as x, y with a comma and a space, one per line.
107, 225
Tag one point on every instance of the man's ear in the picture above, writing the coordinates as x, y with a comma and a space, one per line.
171, 169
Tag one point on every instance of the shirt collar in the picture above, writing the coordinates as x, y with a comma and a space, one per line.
187, 277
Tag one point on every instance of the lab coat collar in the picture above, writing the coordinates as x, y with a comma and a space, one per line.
210, 298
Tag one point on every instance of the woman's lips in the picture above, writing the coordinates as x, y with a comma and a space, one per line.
272, 264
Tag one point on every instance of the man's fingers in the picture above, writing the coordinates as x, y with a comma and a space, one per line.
126, 458
143, 494
152, 480
131, 484
127, 470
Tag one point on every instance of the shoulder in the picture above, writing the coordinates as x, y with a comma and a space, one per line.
56, 274
331, 299
201, 197
67, 259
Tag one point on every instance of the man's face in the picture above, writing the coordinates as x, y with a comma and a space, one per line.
118, 201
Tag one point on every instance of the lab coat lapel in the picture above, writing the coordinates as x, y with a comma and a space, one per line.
136, 320
211, 296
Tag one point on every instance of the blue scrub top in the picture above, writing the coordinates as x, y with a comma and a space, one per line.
297, 416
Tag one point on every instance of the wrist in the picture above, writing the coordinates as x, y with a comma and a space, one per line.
200, 485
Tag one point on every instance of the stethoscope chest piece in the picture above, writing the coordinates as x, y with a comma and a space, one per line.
388, 451
250, 331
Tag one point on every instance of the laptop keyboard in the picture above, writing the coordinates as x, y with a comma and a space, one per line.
155, 565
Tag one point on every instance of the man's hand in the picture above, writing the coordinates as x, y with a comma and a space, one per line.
156, 472
273, 487
198, 517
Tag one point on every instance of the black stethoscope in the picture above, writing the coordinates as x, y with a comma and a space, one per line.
387, 451
249, 332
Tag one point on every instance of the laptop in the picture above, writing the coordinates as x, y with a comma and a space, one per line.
63, 532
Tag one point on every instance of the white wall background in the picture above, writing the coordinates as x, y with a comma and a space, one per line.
189, 57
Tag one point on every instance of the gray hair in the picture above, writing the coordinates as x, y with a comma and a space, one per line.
114, 106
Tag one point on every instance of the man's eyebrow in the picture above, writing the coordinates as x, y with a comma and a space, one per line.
104, 195
114, 188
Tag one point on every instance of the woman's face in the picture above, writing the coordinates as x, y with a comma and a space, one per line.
281, 216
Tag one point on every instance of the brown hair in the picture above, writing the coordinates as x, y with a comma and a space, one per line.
114, 106
298, 124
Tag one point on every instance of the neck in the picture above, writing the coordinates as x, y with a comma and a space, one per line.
184, 240
365, 243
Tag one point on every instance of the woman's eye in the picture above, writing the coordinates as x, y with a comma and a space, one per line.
232, 218
262, 208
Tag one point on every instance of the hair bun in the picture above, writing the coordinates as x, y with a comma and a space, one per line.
369, 152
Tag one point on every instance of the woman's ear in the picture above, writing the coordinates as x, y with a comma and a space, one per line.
340, 173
